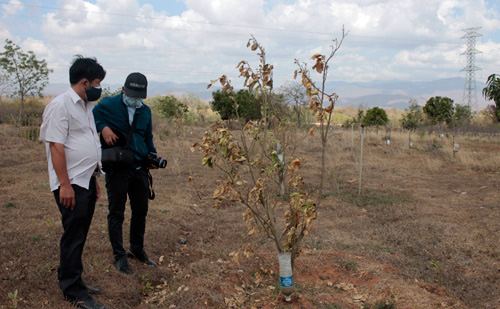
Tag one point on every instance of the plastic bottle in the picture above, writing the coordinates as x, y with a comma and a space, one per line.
286, 275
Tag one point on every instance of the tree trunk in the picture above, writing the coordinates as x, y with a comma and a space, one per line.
21, 110
323, 169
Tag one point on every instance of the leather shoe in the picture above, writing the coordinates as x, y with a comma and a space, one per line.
89, 303
92, 290
122, 266
143, 257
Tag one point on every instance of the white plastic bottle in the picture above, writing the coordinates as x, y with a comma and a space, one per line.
286, 275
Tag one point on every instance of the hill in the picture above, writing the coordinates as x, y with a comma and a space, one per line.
384, 94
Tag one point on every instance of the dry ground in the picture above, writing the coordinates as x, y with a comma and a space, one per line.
424, 233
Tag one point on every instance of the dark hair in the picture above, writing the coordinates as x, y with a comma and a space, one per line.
87, 68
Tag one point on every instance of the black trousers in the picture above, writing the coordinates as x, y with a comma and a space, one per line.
76, 225
119, 184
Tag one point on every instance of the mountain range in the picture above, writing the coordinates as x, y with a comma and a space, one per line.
384, 94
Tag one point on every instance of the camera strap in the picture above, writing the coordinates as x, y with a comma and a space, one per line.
151, 191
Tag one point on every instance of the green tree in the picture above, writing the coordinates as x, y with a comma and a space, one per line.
28, 75
461, 117
248, 105
439, 109
492, 92
413, 117
223, 104
170, 107
376, 117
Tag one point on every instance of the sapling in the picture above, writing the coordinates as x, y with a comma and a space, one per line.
318, 96
261, 171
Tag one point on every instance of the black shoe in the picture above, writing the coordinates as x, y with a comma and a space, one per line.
92, 290
123, 267
143, 257
89, 303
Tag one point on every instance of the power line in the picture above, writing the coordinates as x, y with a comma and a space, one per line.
164, 18
294, 38
231, 25
225, 54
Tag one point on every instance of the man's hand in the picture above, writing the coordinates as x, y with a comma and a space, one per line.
66, 192
109, 136
98, 190
67, 196
153, 167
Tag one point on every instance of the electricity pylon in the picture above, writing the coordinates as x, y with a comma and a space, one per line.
470, 96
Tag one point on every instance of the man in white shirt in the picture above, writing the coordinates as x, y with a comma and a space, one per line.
73, 154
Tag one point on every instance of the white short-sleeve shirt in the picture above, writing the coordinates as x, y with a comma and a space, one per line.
68, 120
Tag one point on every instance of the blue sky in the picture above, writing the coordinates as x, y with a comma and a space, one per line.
198, 40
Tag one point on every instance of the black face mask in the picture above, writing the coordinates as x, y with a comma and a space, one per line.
93, 94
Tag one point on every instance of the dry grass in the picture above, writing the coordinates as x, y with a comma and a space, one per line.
419, 207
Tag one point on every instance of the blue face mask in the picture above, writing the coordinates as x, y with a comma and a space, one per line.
132, 102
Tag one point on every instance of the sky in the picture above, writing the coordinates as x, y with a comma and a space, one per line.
193, 41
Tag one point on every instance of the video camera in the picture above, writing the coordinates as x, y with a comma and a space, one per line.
153, 159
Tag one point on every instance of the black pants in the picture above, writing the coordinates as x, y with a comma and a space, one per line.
76, 225
119, 183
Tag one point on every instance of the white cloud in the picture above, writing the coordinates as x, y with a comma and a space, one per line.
4, 32
12, 8
388, 39
229, 12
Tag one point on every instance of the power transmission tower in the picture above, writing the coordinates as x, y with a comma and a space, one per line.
470, 96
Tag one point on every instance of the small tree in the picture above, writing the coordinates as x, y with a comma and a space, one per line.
439, 109
258, 162
376, 117
169, 107
412, 119
295, 96
490, 113
492, 92
317, 95
248, 107
28, 75
461, 117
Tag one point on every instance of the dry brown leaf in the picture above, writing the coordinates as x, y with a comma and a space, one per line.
296, 164
311, 131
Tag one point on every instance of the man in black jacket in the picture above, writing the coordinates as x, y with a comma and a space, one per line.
115, 115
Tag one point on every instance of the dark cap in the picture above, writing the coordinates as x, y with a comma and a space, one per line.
136, 85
